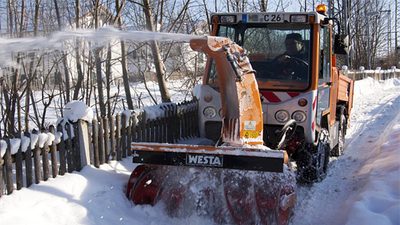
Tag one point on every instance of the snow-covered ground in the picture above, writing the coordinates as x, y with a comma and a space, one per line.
362, 186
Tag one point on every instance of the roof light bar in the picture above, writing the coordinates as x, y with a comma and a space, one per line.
298, 18
228, 19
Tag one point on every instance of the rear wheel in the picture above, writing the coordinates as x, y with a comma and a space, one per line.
312, 162
339, 148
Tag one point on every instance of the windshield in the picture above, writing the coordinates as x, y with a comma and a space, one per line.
278, 52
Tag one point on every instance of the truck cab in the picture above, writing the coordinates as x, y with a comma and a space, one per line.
305, 87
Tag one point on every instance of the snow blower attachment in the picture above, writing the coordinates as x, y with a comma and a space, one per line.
241, 181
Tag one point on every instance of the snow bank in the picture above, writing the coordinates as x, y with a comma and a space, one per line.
77, 110
377, 201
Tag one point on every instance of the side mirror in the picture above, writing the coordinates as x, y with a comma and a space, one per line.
341, 44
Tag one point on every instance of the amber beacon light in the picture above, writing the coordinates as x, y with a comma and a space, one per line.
321, 9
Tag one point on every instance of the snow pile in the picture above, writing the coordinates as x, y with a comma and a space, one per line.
77, 110
378, 200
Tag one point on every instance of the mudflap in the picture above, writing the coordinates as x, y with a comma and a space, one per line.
227, 196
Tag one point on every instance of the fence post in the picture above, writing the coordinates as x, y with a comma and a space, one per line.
69, 149
95, 132
8, 168
90, 136
18, 166
61, 153
45, 160
118, 137
106, 140
36, 161
53, 153
101, 141
112, 135
83, 138
28, 163
123, 136
130, 137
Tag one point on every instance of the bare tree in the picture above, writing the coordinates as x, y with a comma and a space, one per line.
77, 53
158, 63
119, 7
64, 55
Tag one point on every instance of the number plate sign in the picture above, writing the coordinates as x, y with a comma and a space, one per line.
264, 18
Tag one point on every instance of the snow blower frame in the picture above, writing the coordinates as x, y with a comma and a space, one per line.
257, 184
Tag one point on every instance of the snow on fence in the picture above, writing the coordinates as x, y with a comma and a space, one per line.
33, 157
377, 74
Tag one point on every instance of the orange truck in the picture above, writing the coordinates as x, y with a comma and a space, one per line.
271, 93
306, 101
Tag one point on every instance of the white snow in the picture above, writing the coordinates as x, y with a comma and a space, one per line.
76, 110
50, 138
154, 112
42, 139
25, 143
58, 136
15, 143
34, 139
127, 114
362, 186
3, 147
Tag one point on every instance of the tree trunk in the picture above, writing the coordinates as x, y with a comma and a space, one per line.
108, 80
99, 78
123, 58
65, 63
158, 63
78, 56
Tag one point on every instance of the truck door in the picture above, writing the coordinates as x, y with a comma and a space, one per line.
324, 77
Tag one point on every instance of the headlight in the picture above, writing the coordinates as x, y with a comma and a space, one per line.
299, 116
210, 112
282, 116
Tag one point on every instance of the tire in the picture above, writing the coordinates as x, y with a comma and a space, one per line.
339, 148
312, 162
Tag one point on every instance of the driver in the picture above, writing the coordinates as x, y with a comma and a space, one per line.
293, 62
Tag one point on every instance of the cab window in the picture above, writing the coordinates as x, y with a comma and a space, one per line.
278, 52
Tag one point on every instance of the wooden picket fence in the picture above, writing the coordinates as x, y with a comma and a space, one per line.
375, 74
106, 139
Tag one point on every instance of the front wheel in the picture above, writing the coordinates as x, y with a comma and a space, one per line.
312, 161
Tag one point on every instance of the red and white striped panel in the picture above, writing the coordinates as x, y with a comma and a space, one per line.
274, 97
